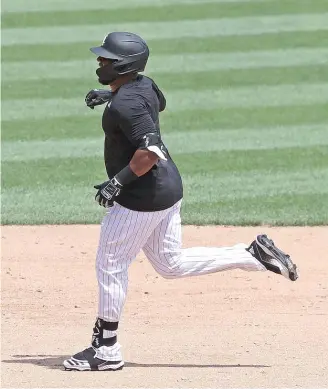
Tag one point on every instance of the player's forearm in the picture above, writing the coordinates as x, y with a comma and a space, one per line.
142, 162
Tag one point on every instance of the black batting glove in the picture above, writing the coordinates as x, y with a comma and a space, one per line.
97, 97
107, 191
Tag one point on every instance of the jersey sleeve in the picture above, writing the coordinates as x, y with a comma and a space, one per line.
134, 120
138, 126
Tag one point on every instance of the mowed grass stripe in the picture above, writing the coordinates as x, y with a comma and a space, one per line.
169, 30
178, 63
18, 6
235, 193
171, 122
56, 88
280, 210
257, 96
204, 10
267, 160
237, 185
86, 170
220, 44
177, 143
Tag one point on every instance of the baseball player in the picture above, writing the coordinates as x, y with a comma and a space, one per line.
143, 197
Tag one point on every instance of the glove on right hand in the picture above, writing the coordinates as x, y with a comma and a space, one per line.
97, 97
107, 191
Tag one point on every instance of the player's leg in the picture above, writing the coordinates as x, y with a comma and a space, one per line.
163, 249
123, 234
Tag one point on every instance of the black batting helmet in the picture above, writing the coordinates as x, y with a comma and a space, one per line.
128, 51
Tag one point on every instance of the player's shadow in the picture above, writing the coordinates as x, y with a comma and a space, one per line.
56, 362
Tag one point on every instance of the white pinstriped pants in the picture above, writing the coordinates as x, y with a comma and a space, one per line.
124, 233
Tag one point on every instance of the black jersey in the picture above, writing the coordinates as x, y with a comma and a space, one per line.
132, 113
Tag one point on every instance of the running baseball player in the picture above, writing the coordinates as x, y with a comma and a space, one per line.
143, 197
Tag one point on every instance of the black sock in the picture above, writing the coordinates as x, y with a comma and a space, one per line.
104, 333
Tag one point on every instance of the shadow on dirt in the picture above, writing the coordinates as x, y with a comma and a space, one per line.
56, 362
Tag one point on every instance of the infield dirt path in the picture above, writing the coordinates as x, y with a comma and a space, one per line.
230, 329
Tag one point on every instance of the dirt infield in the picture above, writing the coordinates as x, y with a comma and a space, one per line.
230, 329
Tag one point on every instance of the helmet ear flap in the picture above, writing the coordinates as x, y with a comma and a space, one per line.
125, 68
122, 68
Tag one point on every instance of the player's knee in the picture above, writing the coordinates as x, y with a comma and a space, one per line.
169, 272
167, 265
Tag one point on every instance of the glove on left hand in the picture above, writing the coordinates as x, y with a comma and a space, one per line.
97, 97
107, 191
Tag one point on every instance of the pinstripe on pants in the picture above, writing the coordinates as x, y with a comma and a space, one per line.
124, 233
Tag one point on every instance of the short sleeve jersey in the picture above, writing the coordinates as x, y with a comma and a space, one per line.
132, 113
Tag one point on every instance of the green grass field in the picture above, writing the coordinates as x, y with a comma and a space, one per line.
246, 121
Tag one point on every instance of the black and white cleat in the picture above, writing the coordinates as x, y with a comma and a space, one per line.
86, 361
274, 259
